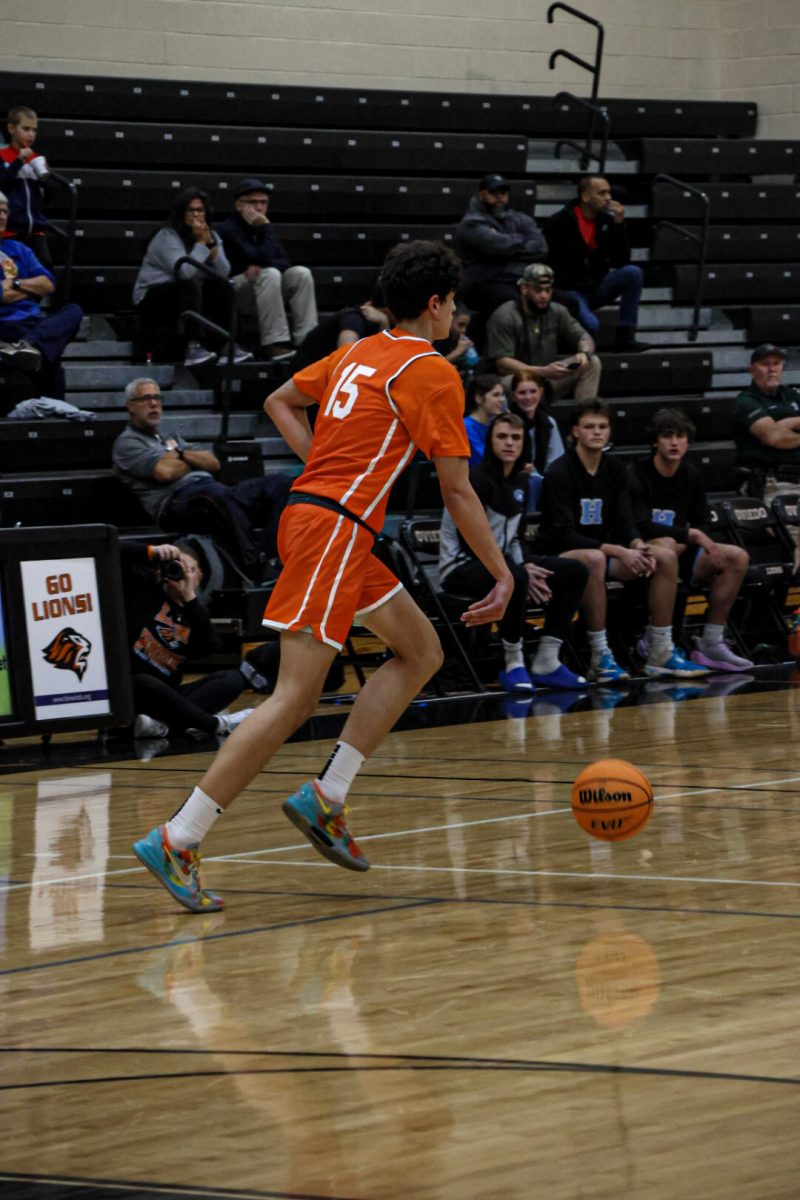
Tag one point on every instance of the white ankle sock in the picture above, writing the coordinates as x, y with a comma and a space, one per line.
712, 635
598, 642
513, 655
660, 644
545, 659
192, 821
339, 772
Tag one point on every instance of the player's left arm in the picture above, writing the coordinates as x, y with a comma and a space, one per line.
470, 518
286, 407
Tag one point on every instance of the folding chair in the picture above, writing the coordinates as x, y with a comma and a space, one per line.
419, 539
754, 526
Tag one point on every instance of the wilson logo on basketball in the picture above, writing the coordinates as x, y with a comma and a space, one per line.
600, 796
69, 651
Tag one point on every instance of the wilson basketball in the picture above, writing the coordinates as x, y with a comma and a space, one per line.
611, 799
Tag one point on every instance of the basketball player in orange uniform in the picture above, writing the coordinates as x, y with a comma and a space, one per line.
380, 399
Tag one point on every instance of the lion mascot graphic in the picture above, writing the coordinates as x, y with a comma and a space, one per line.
69, 651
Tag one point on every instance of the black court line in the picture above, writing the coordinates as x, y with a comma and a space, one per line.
683, 910
215, 937
149, 1188
400, 1063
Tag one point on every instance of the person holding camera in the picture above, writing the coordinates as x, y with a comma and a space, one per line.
168, 626
533, 332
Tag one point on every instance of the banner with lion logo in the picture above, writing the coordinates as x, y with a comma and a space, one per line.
65, 638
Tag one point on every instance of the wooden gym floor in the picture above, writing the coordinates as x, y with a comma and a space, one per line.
501, 1008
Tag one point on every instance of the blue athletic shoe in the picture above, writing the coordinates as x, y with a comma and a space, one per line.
607, 670
516, 680
677, 666
323, 824
176, 870
561, 678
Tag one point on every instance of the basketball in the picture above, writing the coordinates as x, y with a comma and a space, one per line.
611, 799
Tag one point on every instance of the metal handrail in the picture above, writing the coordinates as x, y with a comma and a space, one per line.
587, 151
69, 234
700, 239
226, 386
593, 69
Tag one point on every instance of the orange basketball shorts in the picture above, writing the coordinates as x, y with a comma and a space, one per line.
329, 575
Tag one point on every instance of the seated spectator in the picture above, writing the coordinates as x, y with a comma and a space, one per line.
590, 255
670, 510
160, 297
534, 332
500, 485
343, 327
29, 339
587, 515
485, 399
766, 426
458, 348
495, 242
168, 626
545, 444
23, 172
170, 475
266, 282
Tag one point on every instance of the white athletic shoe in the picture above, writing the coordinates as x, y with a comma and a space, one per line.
228, 721
147, 727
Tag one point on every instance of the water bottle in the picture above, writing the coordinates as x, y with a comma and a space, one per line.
471, 357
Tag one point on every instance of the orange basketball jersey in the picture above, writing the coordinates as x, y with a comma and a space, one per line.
380, 400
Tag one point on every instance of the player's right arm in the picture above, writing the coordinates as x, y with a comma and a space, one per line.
286, 408
470, 518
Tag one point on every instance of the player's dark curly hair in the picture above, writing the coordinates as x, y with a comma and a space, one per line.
415, 271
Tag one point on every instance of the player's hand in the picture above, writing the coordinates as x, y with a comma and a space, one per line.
27, 153
715, 554
538, 587
492, 607
638, 562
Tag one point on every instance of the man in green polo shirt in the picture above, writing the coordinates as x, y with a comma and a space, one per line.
766, 426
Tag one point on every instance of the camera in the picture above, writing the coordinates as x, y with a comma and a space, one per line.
172, 569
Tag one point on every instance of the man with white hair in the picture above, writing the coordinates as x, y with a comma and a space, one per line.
30, 340
169, 475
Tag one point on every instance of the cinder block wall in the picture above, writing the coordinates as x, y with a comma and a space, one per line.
683, 49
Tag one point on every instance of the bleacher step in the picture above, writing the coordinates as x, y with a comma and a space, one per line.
180, 398
705, 337
664, 316
91, 377
98, 349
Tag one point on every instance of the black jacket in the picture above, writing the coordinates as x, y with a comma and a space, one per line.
489, 244
576, 267
248, 246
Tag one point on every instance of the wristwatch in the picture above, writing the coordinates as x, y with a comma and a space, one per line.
17, 283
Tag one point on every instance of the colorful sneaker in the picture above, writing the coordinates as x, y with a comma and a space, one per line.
176, 870
606, 670
677, 666
719, 657
516, 680
641, 648
561, 678
323, 824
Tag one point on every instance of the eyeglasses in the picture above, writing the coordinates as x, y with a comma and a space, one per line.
146, 398
196, 209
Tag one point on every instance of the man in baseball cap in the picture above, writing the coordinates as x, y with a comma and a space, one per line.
495, 242
266, 282
536, 333
766, 426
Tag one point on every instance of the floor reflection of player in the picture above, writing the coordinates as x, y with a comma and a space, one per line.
332, 981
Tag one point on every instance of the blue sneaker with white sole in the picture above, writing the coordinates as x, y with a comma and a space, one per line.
606, 670
677, 666
562, 678
516, 680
